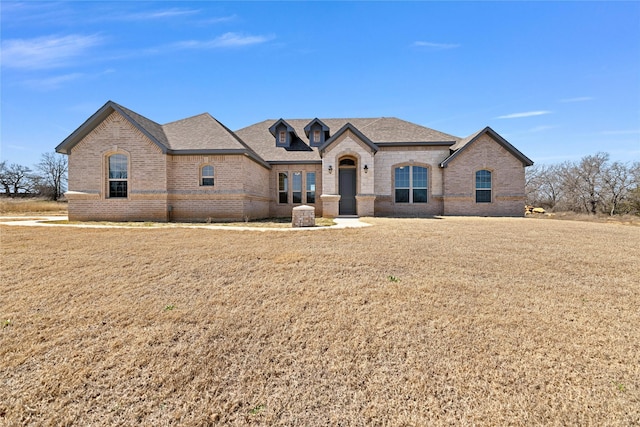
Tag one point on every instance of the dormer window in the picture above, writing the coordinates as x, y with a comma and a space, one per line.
317, 132
283, 133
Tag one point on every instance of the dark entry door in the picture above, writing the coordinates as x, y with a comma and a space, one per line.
347, 184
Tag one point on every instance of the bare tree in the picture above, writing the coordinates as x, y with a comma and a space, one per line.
591, 185
543, 186
583, 180
617, 181
15, 178
632, 201
4, 181
54, 167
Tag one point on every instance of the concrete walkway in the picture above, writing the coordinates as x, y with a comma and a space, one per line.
37, 221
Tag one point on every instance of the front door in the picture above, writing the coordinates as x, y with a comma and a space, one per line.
347, 189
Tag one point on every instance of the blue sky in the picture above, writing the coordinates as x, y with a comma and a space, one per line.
559, 80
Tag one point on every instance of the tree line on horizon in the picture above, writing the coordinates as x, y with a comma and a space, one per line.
592, 185
49, 179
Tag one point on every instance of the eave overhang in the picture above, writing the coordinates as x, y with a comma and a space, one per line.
98, 117
417, 144
348, 127
221, 152
274, 126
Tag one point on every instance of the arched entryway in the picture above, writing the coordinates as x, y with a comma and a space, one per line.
347, 183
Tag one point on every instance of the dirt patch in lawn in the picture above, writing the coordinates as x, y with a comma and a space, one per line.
412, 322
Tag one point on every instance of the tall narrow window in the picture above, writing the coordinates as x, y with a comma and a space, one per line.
206, 176
282, 139
402, 184
283, 187
311, 187
118, 176
419, 184
316, 136
296, 187
411, 184
483, 186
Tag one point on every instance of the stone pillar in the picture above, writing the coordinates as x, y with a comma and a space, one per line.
365, 204
330, 205
303, 216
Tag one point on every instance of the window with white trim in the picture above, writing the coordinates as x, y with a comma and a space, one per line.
118, 176
282, 138
483, 186
206, 176
411, 184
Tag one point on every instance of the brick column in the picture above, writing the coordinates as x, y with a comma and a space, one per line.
365, 204
303, 216
330, 205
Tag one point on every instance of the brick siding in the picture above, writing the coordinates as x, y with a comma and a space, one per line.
507, 181
387, 159
167, 187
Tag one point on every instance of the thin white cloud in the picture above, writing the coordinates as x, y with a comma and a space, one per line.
438, 46
46, 52
525, 114
54, 82
224, 41
159, 14
577, 99
220, 19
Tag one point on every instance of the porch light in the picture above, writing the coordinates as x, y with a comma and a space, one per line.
366, 168
330, 169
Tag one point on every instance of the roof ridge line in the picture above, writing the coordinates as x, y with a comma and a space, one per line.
372, 122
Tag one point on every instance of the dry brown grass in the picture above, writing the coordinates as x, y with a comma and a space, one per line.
258, 223
626, 219
411, 322
30, 206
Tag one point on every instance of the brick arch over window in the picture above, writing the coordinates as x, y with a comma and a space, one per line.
484, 186
117, 166
411, 182
207, 175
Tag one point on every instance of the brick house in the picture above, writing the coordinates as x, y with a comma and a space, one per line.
123, 166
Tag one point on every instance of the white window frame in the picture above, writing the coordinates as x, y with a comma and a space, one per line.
203, 176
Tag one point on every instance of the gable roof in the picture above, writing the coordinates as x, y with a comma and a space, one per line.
149, 128
281, 122
462, 144
381, 131
307, 128
356, 132
201, 134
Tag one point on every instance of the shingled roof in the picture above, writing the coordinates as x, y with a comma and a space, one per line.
461, 145
201, 134
381, 131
